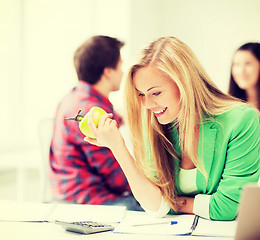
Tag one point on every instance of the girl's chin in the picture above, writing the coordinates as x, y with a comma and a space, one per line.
163, 121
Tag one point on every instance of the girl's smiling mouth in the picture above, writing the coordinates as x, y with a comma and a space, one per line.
160, 112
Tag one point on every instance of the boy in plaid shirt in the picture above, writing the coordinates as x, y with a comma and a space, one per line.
81, 172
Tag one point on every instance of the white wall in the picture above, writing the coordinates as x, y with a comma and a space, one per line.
38, 38
212, 28
10, 72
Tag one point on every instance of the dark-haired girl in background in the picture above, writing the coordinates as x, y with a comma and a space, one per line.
245, 74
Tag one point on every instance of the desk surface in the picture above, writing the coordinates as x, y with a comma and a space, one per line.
49, 231
13, 211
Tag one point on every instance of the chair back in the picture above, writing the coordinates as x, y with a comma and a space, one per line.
45, 136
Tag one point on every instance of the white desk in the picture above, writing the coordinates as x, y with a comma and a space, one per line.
49, 231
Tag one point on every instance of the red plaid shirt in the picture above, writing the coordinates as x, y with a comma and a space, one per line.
82, 172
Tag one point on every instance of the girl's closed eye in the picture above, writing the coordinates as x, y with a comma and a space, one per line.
156, 93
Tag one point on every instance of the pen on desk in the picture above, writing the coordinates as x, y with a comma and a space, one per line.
148, 224
195, 223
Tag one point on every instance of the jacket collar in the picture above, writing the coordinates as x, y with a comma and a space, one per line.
206, 151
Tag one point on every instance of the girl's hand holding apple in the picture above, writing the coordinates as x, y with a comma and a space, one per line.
83, 120
99, 128
106, 134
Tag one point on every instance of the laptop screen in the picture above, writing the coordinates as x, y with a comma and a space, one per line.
248, 220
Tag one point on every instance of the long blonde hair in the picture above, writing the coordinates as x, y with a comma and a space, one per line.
199, 97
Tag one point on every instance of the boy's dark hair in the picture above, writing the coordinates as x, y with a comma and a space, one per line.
94, 55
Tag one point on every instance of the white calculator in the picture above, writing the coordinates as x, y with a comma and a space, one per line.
85, 227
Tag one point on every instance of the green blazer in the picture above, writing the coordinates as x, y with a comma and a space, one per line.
229, 146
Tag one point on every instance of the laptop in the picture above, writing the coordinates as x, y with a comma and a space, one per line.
248, 219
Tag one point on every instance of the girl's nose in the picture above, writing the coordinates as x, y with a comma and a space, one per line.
148, 102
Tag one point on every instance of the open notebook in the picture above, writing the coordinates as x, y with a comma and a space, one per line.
245, 227
141, 223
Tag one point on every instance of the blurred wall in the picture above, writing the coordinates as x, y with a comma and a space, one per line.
39, 37
213, 29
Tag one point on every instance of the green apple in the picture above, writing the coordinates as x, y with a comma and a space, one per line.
83, 121
83, 124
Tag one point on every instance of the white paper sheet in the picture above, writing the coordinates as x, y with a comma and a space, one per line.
184, 223
84, 212
24, 211
216, 228
32, 211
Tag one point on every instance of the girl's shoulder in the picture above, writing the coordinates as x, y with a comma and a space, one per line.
240, 112
239, 117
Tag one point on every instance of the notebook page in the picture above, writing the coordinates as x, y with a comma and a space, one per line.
215, 228
184, 223
23, 211
86, 212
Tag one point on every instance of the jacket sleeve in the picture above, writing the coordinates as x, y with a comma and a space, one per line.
241, 166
